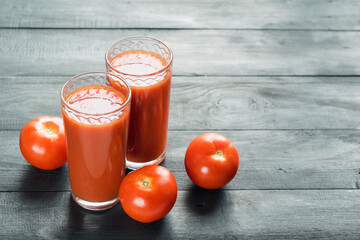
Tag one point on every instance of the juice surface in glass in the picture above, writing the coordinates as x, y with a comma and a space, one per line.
149, 103
96, 146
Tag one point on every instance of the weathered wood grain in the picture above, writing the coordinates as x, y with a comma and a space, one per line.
202, 52
329, 214
237, 72
254, 14
240, 103
316, 159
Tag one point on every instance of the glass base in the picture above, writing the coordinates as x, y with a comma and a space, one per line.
137, 165
95, 206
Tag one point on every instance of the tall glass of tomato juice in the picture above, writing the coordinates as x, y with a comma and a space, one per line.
146, 65
96, 119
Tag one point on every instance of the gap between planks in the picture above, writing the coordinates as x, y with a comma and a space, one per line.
207, 75
212, 190
237, 130
181, 28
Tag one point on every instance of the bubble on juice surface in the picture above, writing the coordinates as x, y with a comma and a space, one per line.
94, 101
138, 66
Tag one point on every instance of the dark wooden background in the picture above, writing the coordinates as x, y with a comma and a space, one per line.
279, 78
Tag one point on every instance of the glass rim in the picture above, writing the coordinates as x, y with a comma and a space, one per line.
63, 101
166, 67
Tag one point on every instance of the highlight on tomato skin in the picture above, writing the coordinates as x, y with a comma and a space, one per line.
42, 142
211, 160
148, 193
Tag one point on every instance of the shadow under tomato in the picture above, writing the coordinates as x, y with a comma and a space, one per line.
110, 222
34, 179
40, 186
203, 201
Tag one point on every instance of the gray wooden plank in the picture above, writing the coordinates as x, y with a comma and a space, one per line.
312, 159
210, 103
254, 14
201, 52
320, 214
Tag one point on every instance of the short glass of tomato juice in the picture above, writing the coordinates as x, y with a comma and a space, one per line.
146, 65
96, 119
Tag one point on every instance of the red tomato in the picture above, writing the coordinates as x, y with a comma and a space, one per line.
148, 193
42, 142
211, 160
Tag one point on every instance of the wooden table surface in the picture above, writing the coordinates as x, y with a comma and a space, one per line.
281, 79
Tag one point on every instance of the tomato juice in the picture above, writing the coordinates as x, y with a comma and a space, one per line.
149, 77
96, 133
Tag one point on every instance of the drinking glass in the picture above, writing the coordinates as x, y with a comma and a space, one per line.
146, 65
96, 119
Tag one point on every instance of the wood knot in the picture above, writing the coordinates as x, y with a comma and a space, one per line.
201, 205
358, 184
282, 170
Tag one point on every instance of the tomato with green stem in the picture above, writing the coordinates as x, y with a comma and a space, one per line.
148, 193
42, 142
211, 160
